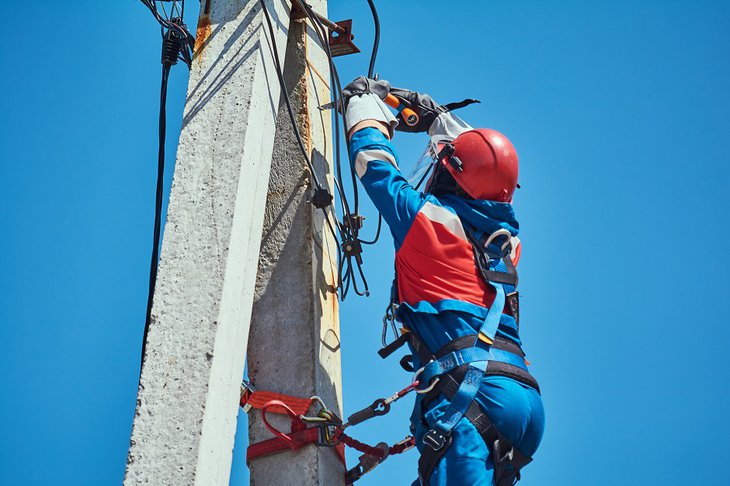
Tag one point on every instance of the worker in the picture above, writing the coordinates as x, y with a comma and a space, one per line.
478, 418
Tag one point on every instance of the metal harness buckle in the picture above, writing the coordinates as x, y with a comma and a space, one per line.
506, 457
435, 439
247, 389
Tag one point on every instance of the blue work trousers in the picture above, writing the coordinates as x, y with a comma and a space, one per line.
515, 409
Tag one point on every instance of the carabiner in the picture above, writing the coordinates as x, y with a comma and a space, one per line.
325, 415
416, 382
389, 319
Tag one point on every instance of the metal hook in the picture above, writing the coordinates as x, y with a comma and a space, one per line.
497, 234
430, 387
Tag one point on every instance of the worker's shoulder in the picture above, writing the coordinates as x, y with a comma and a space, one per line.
437, 212
433, 203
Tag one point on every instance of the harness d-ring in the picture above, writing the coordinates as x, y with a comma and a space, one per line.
430, 387
497, 234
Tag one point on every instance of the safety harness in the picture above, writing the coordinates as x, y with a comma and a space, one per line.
456, 370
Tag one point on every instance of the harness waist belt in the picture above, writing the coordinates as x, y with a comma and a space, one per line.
508, 358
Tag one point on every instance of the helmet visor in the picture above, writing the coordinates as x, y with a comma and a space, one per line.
420, 172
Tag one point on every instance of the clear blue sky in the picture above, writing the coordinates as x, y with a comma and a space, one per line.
619, 111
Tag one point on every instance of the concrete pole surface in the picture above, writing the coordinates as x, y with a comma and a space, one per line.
294, 345
187, 403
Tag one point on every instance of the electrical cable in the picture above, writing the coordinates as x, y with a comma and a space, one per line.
371, 73
321, 32
350, 233
285, 91
376, 41
158, 201
176, 45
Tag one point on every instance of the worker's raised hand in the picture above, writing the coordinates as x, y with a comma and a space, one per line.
363, 85
425, 107
363, 100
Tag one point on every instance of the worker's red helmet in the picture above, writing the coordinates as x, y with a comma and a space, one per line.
484, 163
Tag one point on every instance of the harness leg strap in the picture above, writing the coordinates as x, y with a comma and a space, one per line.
508, 460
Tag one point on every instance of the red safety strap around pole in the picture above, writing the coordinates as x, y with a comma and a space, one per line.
274, 445
302, 438
299, 436
257, 399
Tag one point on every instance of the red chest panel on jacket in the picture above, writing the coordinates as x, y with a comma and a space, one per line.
436, 262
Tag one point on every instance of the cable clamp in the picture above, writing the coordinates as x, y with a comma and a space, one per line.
172, 43
353, 222
351, 247
321, 198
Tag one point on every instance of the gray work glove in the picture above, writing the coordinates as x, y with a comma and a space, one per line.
363, 100
363, 85
428, 111
425, 107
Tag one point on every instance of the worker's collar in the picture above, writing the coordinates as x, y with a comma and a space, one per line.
485, 216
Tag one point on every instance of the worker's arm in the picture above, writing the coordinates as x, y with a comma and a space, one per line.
375, 162
370, 126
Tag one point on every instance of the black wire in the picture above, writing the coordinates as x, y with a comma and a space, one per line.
366, 292
177, 32
162, 131
285, 91
297, 133
371, 73
376, 41
349, 231
337, 102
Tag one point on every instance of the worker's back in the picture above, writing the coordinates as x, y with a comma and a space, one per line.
437, 274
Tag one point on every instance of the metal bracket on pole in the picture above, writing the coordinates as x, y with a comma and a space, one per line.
340, 33
341, 41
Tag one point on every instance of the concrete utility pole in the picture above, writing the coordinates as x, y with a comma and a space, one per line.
294, 345
188, 397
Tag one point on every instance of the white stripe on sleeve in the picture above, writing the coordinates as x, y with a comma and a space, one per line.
365, 156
